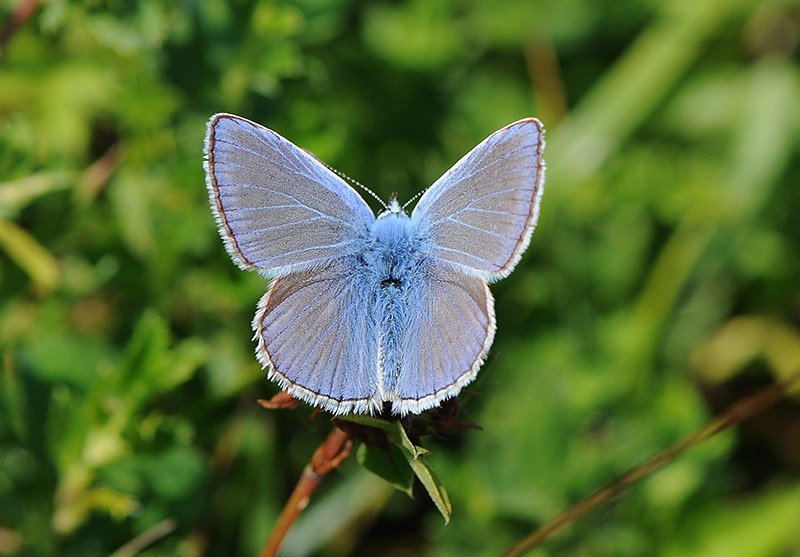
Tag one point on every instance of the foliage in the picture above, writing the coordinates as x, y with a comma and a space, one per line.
661, 285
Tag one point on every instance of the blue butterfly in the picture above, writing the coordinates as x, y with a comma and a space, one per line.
363, 310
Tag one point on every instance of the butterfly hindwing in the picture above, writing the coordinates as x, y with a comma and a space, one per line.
480, 214
451, 327
315, 331
276, 205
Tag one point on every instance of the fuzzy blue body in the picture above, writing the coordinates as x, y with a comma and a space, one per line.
393, 273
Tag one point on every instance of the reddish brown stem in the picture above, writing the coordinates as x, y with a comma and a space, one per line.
97, 175
327, 457
280, 400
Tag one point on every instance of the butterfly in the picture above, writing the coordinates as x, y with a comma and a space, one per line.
363, 311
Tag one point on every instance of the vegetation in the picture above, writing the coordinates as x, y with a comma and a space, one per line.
660, 287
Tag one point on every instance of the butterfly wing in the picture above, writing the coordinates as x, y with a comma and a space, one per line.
276, 205
451, 327
317, 334
481, 213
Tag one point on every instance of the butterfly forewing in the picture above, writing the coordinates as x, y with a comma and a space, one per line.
276, 205
480, 214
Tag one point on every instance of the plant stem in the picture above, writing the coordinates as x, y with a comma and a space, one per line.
146, 538
327, 457
735, 414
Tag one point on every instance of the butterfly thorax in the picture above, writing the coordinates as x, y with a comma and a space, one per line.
391, 255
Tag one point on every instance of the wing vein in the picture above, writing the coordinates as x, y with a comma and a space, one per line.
479, 229
461, 252
293, 198
269, 160
308, 306
485, 167
458, 309
266, 144
279, 226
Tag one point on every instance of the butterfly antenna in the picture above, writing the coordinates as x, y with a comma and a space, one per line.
410, 201
357, 183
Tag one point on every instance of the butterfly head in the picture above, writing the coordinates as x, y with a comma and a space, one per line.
394, 207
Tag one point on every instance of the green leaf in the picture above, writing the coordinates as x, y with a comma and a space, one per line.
432, 485
181, 364
368, 421
78, 361
147, 347
29, 254
403, 441
151, 367
129, 198
390, 466
176, 473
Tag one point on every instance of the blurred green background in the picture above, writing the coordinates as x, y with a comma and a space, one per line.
660, 287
